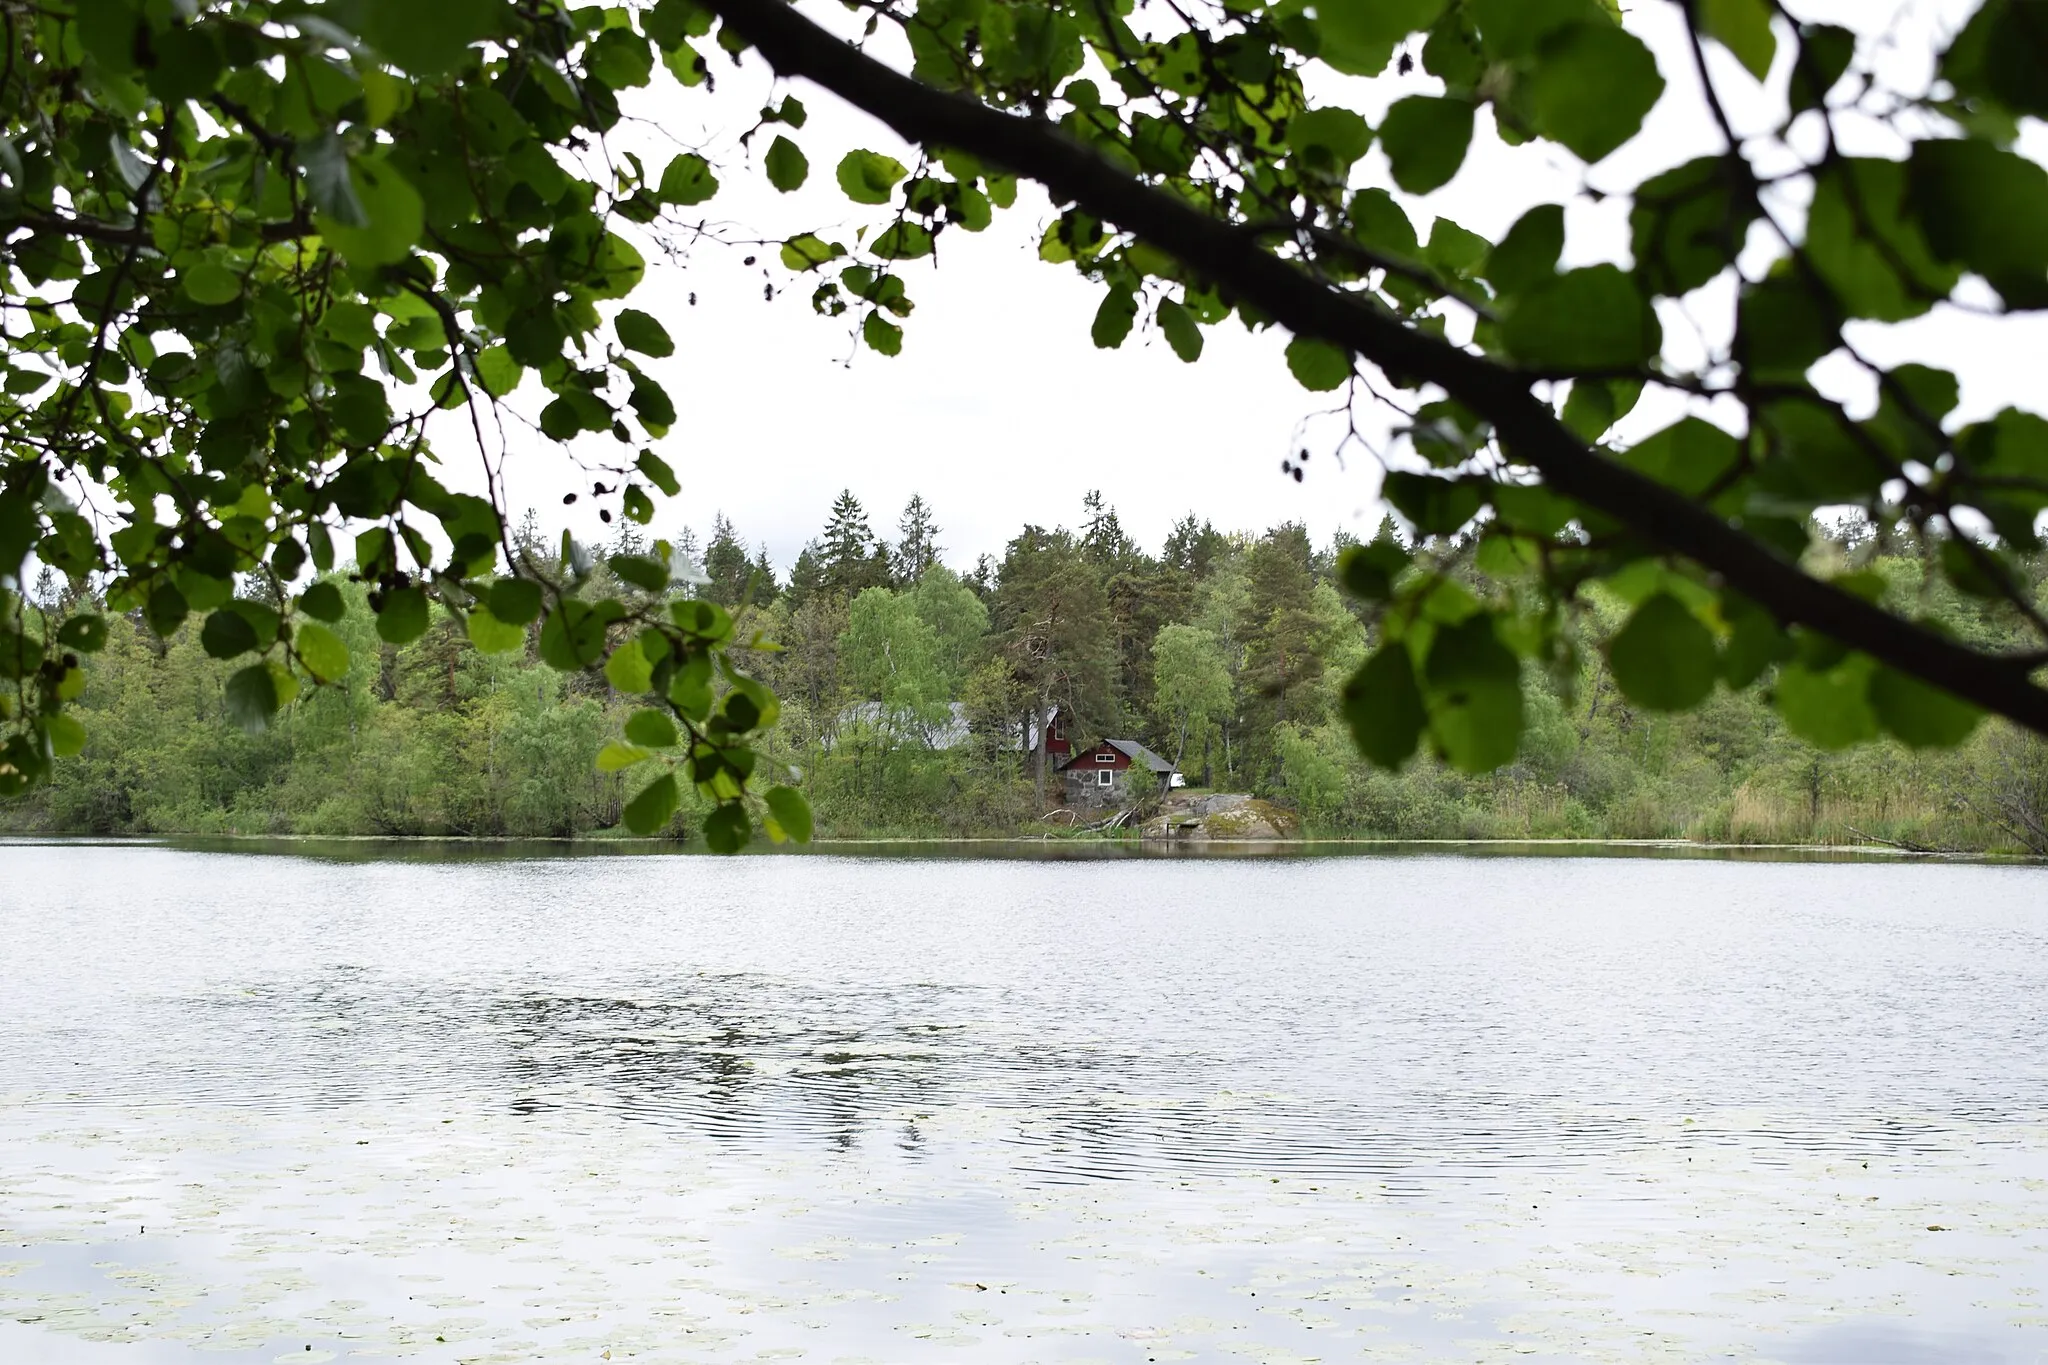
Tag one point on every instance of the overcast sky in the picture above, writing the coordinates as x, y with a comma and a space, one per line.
1000, 411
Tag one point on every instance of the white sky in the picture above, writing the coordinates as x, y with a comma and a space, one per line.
1000, 411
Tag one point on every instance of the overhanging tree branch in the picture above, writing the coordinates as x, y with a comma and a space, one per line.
1231, 258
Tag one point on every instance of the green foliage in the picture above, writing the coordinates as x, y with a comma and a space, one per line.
252, 248
1664, 658
433, 737
1426, 137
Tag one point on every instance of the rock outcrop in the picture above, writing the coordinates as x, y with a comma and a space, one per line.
1235, 817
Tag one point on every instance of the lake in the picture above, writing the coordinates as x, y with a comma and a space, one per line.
320, 1105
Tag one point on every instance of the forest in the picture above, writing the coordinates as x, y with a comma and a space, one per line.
908, 690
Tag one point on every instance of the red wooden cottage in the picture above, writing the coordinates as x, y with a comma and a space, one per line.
1100, 776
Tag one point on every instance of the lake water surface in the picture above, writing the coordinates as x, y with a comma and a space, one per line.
262, 1107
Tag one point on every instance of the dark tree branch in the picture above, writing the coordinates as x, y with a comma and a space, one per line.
1233, 260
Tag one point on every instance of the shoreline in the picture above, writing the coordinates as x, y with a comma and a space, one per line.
1037, 843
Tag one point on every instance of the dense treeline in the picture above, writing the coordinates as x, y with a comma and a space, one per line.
913, 696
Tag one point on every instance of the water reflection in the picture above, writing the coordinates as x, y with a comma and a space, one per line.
1400, 1108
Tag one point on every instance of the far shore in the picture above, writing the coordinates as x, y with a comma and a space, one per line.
602, 842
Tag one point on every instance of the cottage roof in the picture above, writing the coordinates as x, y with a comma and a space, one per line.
1129, 748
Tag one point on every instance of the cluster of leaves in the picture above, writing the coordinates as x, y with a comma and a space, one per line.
1210, 105
251, 248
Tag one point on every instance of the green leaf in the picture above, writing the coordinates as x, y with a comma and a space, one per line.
628, 670
639, 508
1986, 210
1829, 709
20, 655
1434, 506
1919, 714
1692, 455
620, 58
323, 602
881, 334
641, 571
1113, 319
321, 651
616, 757
726, 830
1357, 37
1425, 137
640, 332
1825, 51
1781, 330
1178, 326
1755, 641
212, 284
1690, 222
1744, 28
1474, 696
786, 164
1860, 240
1328, 140
395, 218
329, 183
87, 634
166, 609
1516, 29
688, 180
867, 177
226, 634
515, 601
652, 729
67, 736
111, 31
791, 811
1596, 405
1591, 87
428, 39
497, 371
1999, 56
902, 241
1368, 571
1317, 365
650, 811
1527, 256
572, 637
1383, 706
252, 698
658, 473
491, 635
1590, 319
807, 251
1664, 659
403, 617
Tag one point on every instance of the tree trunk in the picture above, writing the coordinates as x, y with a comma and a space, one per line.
1044, 739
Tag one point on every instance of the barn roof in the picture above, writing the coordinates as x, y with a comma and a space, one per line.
1129, 748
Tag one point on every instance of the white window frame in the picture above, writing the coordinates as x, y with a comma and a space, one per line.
1106, 777
1105, 758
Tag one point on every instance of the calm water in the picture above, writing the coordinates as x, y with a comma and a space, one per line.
939, 1109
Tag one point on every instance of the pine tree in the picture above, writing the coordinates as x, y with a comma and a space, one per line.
806, 576
1053, 629
530, 544
918, 549
850, 556
1193, 549
726, 564
766, 589
1103, 542
1283, 638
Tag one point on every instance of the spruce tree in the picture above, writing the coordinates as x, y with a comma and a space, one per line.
918, 548
727, 565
